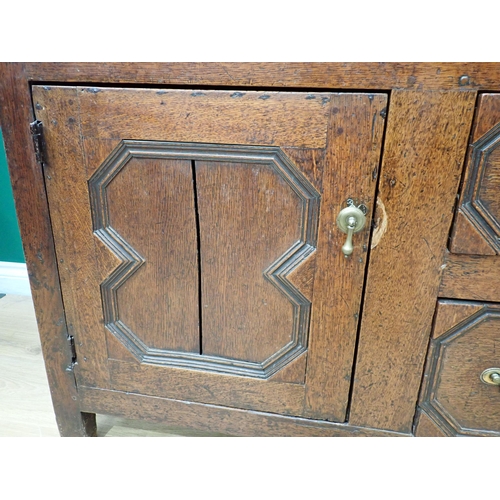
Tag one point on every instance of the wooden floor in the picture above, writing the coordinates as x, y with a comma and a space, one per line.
25, 404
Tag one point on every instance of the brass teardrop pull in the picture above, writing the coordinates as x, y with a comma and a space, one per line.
351, 220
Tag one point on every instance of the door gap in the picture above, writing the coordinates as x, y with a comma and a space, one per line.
198, 242
243, 87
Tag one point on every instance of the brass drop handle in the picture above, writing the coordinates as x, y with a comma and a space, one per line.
491, 376
351, 220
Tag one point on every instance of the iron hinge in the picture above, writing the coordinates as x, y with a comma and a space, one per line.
37, 133
71, 341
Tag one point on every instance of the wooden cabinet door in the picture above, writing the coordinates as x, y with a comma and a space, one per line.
195, 232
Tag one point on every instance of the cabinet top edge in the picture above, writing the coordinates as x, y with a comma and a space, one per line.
290, 75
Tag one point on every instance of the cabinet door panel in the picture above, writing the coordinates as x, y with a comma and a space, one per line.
229, 286
206, 116
204, 386
148, 210
249, 219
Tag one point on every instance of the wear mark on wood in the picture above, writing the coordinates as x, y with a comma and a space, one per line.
380, 223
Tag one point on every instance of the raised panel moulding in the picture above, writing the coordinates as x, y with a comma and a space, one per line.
431, 401
474, 207
277, 273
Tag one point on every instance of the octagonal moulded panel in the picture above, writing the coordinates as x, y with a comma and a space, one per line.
454, 395
481, 200
126, 160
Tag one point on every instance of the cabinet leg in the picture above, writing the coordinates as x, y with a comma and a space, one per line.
81, 425
89, 424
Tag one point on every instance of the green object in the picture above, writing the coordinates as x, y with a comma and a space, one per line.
11, 249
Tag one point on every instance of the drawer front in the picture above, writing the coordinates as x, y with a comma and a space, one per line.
476, 229
465, 343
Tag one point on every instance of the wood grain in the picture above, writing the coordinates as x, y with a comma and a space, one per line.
418, 185
311, 162
487, 115
82, 279
426, 427
454, 315
205, 387
215, 418
352, 159
302, 277
270, 159
292, 373
476, 230
488, 191
249, 218
376, 75
466, 239
210, 116
151, 205
95, 150
36, 232
400, 349
68, 195
453, 392
471, 277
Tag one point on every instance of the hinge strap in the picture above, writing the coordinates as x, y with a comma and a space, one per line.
71, 341
71, 366
37, 133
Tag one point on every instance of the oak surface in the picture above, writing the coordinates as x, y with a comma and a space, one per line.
249, 220
216, 419
351, 166
418, 184
376, 75
400, 264
249, 217
472, 277
447, 317
453, 392
72, 227
151, 205
38, 244
476, 230
207, 116
426, 427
